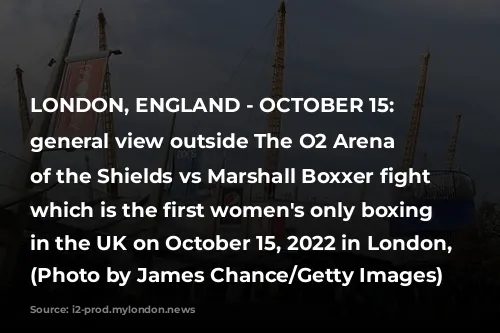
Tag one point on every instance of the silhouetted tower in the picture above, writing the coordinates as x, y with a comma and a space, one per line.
424, 161
274, 119
23, 104
412, 136
450, 158
29, 163
107, 117
87, 167
362, 194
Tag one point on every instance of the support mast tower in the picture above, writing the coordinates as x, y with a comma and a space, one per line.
23, 104
107, 117
412, 136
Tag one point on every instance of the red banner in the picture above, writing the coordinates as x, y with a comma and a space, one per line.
82, 79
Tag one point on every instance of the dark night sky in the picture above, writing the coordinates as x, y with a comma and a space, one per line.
342, 48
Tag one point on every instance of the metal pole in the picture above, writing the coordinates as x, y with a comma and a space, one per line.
218, 190
30, 162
